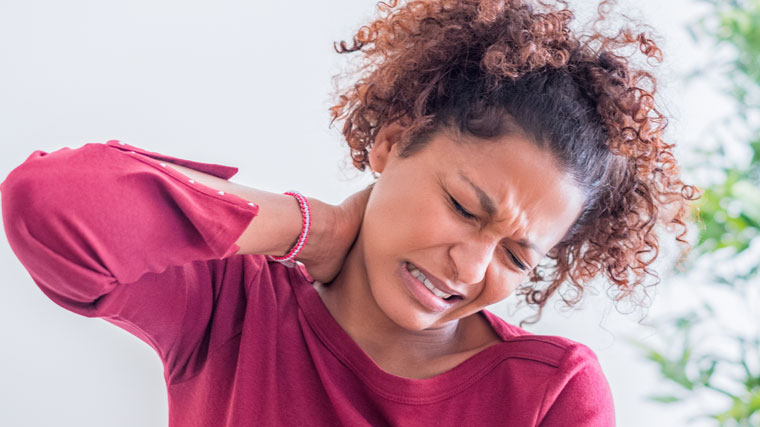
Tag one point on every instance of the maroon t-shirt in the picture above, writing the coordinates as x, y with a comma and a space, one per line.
109, 231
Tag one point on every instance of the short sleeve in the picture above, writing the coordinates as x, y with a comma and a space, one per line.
582, 398
109, 231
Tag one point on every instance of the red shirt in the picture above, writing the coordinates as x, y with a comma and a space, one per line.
109, 231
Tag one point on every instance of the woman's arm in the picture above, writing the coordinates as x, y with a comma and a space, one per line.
111, 231
278, 224
131, 236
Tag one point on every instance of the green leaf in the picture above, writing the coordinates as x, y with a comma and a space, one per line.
754, 402
664, 399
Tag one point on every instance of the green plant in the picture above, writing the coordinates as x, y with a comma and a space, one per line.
728, 214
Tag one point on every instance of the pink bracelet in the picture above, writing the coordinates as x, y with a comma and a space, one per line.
306, 216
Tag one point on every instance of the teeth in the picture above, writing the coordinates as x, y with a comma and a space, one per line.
421, 277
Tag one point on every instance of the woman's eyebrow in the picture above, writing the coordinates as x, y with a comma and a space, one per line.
489, 207
485, 202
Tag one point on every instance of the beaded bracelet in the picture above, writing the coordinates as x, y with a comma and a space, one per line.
306, 216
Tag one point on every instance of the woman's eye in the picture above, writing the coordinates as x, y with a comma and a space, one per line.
460, 209
468, 215
517, 262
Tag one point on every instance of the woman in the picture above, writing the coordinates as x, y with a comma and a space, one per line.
499, 139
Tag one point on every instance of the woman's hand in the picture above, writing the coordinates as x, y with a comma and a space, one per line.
333, 232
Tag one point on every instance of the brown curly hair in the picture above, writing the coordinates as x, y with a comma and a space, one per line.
494, 67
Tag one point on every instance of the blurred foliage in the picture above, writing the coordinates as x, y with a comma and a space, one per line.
730, 210
729, 217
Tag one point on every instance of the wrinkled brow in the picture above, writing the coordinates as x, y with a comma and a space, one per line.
489, 207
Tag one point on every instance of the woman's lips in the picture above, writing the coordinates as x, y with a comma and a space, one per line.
421, 293
438, 283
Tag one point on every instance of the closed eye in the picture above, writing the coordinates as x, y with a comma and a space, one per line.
517, 262
463, 212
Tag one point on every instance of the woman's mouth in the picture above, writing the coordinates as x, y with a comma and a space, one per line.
425, 281
423, 289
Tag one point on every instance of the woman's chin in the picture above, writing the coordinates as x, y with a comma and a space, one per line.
416, 319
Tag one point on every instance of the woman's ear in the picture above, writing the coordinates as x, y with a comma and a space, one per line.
383, 147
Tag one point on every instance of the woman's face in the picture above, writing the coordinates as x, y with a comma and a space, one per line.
474, 217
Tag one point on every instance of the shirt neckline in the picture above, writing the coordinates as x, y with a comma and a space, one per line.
386, 384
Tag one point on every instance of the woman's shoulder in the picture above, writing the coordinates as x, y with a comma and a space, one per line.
552, 350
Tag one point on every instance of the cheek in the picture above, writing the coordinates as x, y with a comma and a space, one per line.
390, 233
410, 220
499, 285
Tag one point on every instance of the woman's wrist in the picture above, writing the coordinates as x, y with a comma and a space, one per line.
303, 236
322, 218
334, 230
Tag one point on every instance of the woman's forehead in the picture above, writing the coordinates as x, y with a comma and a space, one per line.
513, 156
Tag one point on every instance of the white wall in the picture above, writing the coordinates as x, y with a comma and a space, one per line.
239, 83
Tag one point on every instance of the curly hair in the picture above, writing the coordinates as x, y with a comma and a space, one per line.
489, 68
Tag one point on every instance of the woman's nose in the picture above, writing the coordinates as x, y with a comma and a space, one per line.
471, 260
